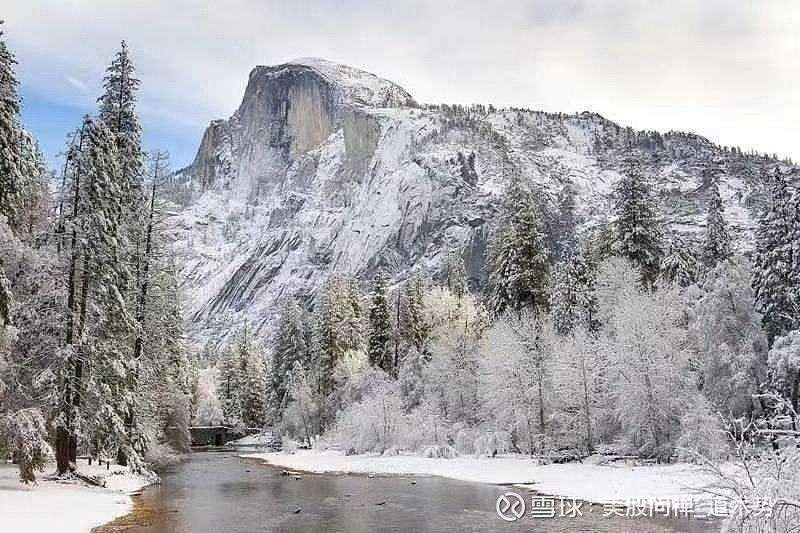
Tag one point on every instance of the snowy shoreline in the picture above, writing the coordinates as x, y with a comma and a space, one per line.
72, 505
588, 481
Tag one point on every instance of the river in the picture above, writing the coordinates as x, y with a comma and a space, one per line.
219, 492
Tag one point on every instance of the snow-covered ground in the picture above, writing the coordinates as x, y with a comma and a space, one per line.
590, 481
65, 507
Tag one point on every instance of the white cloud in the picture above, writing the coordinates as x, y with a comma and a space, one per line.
725, 70
78, 84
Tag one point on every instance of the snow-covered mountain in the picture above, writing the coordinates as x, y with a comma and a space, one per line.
328, 169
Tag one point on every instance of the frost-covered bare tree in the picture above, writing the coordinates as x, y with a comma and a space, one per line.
451, 373
517, 380
651, 379
582, 389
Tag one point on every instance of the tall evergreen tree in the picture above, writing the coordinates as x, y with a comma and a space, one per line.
717, 243
380, 328
455, 273
118, 101
775, 280
517, 257
573, 301
97, 278
679, 265
118, 111
638, 236
337, 328
229, 386
567, 220
413, 328
254, 388
21, 165
291, 346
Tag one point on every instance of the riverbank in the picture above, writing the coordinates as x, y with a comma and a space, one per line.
66, 506
592, 480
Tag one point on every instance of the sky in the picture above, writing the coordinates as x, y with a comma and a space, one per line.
727, 70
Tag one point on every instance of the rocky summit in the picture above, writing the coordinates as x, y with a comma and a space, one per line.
326, 169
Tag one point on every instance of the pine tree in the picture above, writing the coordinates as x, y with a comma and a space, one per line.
117, 110
229, 386
567, 221
21, 165
413, 328
118, 101
290, 346
637, 226
717, 244
166, 379
380, 328
253, 387
455, 273
517, 259
679, 265
337, 328
775, 281
573, 302
97, 278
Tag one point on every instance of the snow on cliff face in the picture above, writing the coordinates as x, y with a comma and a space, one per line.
325, 169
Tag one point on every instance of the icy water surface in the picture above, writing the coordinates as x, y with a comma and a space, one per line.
222, 493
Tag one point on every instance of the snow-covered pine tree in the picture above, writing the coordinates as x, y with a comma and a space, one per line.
567, 220
638, 236
414, 331
455, 273
727, 337
167, 377
144, 258
380, 328
97, 279
517, 260
21, 166
117, 110
717, 243
106, 395
775, 281
10, 164
337, 329
290, 346
118, 101
229, 386
784, 362
679, 266
254, 387
572, 300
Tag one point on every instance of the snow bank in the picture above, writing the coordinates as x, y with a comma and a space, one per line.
598, 483
65, 506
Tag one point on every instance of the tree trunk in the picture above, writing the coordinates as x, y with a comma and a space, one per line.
586, 409
796, 399
63, 432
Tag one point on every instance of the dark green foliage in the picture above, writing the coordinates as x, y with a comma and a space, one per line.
517, 260
637, 229
380, 328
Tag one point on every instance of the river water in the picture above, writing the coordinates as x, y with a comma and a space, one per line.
219, 492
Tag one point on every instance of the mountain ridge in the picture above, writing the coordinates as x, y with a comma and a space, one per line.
313, 176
